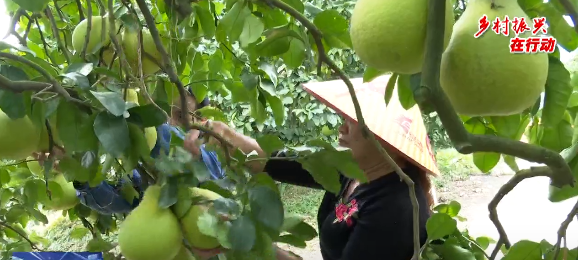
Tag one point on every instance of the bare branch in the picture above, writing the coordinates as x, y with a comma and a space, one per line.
88, 28
55, 84
43, 39
80, 10
167, 64
4, 224
56, 34
563, 227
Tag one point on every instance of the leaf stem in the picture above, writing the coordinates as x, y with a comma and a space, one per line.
56, 34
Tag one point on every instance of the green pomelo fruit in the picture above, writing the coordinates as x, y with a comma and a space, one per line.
34, 166
150, 232
480, 76
132, 96
151, 136
130, 45
63, 194
190, 219
390, 35
79, 34
184, 254
18, 138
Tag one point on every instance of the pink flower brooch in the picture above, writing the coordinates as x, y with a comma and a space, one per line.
344, 212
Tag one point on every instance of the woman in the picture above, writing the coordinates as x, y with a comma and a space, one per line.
381, 227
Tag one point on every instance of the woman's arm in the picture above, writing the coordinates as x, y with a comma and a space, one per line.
280, 169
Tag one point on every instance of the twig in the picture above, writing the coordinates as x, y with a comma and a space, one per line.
143, 87
2, 223
563, 228
88, 28
26, 32
80, 11
13, 22
167, 64
43, 39
58, 11
497, 249
56, 33
117, 46
572, 13
504, 190
317, 36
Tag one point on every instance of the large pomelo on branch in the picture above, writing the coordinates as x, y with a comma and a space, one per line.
95, 39
480, 76
63, 194
389, 35
150, 232
18, 138
191, 217
130, 44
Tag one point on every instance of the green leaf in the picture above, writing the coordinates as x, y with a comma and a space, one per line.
391, 83
296, 4
450, 251
371, 73
524, 249
242, 234
271, 72
292, 240
32, 5
266, 207
73, 169
233, 21
98, 245
297, 226
558, 91
212, 113
404, 91
252, 30
147, 115
558, 137
452, 209
270, 143
330, 22
75, 128
81, 68
78, 80
12, 104
558, 27
112, 101
440, 225
294, 57
485, 161
79, 232
323, 174
169, 193
206, 20
277, 42
112, 132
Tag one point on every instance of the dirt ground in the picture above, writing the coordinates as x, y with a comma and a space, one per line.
525, 212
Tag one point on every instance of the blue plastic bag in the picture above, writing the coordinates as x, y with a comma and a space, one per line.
106, 199
56, 256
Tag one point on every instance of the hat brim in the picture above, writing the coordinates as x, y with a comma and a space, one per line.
335, 95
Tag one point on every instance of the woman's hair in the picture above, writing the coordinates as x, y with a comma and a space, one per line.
426, 185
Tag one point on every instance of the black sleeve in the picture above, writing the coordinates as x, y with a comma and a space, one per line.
381, 235
289, 171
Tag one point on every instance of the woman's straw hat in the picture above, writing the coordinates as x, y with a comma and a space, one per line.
401, 129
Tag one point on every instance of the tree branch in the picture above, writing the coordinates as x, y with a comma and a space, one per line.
4, 224
117, 46
44, 44
56, 34
88, 28
571, 12
13, 22
563, 228
323, 58
167, 64
80, 11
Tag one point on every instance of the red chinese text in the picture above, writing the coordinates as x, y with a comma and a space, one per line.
483, 25
532, 45
519, 25
502, 26
539, 25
